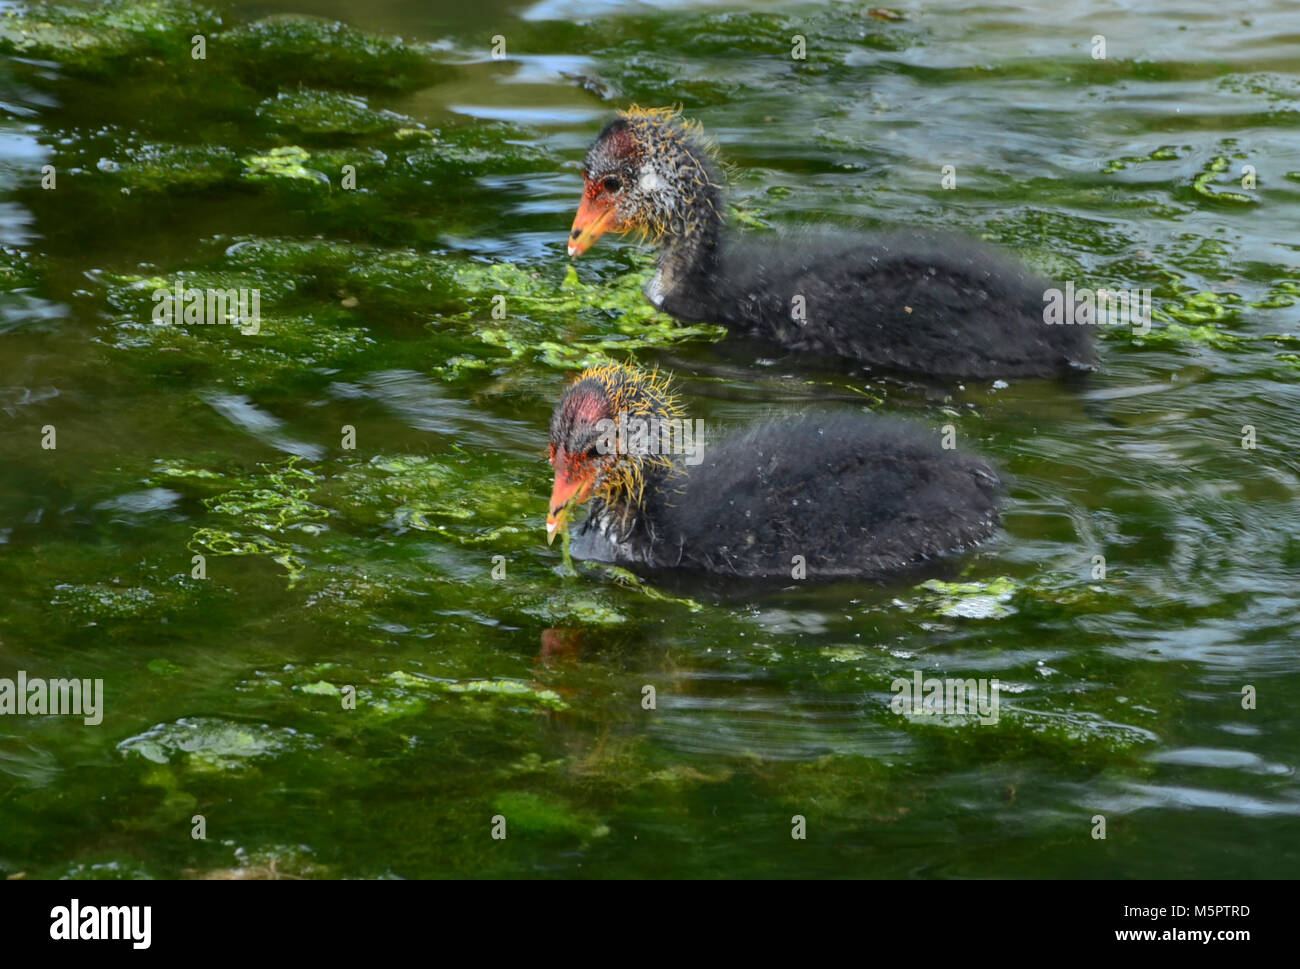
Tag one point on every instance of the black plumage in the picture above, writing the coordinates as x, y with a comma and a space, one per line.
853, 495
915, 303
897, 302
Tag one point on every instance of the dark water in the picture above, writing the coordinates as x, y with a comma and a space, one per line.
330, 569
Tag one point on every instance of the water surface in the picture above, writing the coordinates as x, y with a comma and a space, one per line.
331, 569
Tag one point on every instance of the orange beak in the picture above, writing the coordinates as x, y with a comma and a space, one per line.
564, 493
595, 217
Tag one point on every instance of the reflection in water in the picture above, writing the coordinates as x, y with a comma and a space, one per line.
560, 647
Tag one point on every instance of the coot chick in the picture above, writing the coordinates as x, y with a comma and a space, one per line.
904, 302
853, 495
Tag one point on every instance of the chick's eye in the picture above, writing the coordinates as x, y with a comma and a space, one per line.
612, 183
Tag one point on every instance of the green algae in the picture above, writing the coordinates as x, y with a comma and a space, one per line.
1086, 737
1201, 308
1175, 334
406, 530
395, 279
545, 815
692, 60
1001, 597
400, 694
511, 689
177, 805
306, 50
287, 161
627, 321
133, 294
683, 777
1187, 318
1281, 294
1269, 85
581, 609
475, 150
411, 681
97, 38
379, 710
281, 347
293, 271
209, 744
272, 505
19, 269
1163, 153
179, 470
278, 505
840, 786
532, 763
277, 512
154, 168
328, 112
973, 600
100, 601
321, 688
630, 580
843, 654
421, 493
1203, 182
298, 272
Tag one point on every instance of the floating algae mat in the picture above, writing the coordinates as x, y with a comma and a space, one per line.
308, 558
